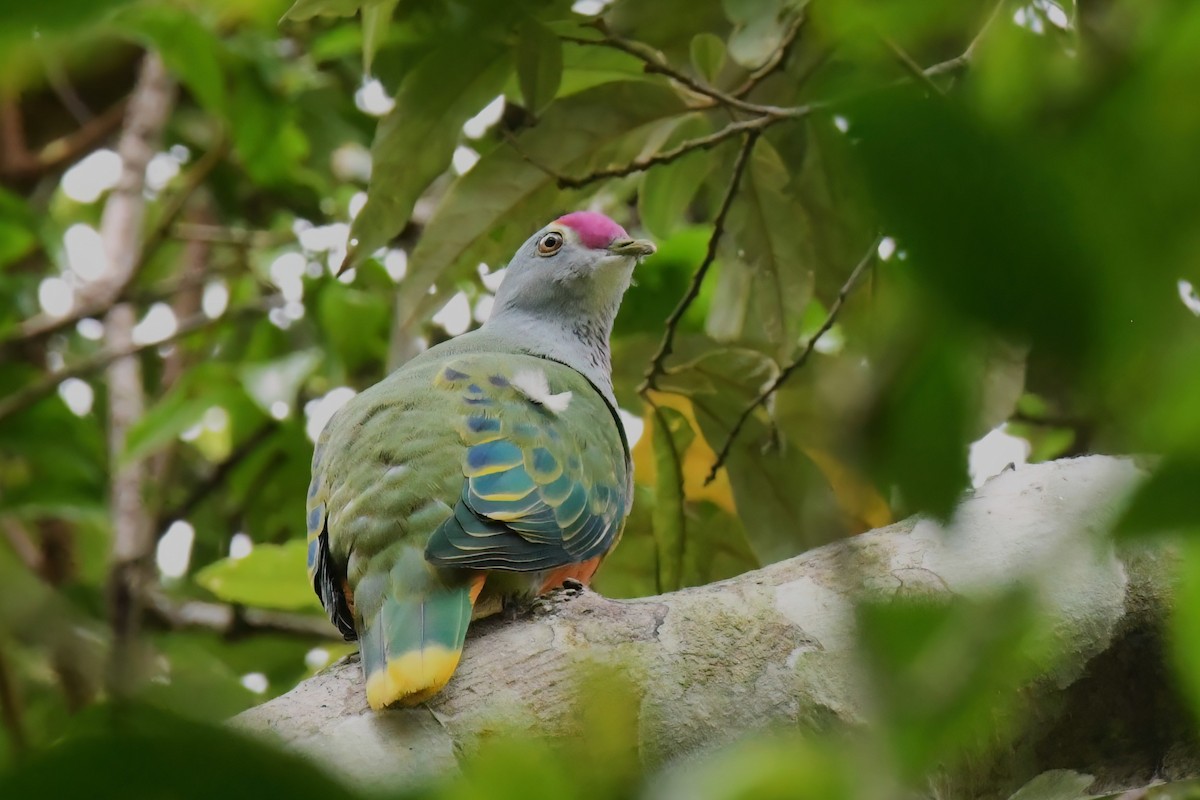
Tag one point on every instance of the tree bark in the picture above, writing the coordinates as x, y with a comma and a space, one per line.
777, 647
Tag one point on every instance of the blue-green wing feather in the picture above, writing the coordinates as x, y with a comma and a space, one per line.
543, 488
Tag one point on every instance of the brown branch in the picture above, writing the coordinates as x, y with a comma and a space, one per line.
914, 69
655, 63
234, 237
667, 156
666, 345
218, 476
107, 294
10, 709
23, 399
233, 621
964, 60
18, 163
867, 259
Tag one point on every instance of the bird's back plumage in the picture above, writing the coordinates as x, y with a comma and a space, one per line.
468, 473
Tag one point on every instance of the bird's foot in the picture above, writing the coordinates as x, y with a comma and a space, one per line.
569, 590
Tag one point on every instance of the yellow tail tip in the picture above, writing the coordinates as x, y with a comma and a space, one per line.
412, 678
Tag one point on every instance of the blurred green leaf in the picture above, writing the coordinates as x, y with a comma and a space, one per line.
17, 235
355, 324
376, 17
539, 60
766, 268
1165, 502
708, 55
668, 190
757, 31
278, 381
947, 675
189, 49
137, 755
923, 417
307, 9
784, 501
987, 229
271, 576
1057, 784
205, 386
415, 141
1184, 624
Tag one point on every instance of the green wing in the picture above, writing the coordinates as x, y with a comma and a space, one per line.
547, 470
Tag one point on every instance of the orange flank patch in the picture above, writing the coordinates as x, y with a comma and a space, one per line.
581, 572
349, 596
477, 583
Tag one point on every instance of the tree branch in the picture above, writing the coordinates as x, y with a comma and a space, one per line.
666, 345
121, 232
867, 259
776, 649
235, 621
30, 394
104, 295
655, 63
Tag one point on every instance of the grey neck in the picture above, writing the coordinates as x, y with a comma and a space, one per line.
581, 344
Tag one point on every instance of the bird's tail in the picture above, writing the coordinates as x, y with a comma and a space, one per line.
411, 647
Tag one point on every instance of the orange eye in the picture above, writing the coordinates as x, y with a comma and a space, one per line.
550, 244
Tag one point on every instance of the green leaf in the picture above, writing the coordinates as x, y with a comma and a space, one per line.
271, 576
189, 49
279, 381
917, 437
17, 235
375, 21
201, 388
668, 190
355, 324
757, 31
948, 673
307, 9
672, 436
1057, 784
415, 141
1185, 623
948, 186
489, 211
539, 57
1166, 501
766, 270
708, 55
133, 753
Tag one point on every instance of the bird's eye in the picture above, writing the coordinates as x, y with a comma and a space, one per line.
550, 244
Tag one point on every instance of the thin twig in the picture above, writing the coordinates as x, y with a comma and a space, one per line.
22, 164
43, 325
667, 156
914, 69
667, 344
232, 621
218, 476
964, 60
23, 399
867, 259
235, 237
655, 63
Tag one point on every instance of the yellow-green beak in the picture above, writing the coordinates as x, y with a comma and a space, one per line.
635, 248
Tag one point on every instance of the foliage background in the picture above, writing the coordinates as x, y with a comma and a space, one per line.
985, 211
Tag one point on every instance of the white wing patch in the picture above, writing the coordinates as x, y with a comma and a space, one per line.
533, 384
